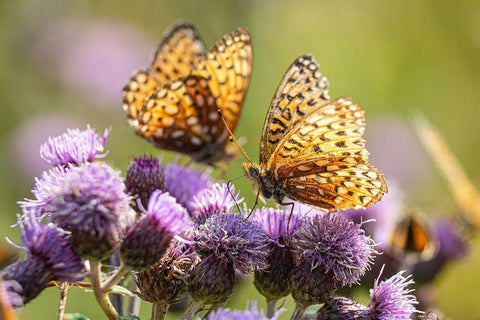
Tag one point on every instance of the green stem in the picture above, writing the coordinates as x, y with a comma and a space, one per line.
116, 277
100, 295
193, 309
159, 311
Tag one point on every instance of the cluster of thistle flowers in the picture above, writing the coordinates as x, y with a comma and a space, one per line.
448, 243
177, 231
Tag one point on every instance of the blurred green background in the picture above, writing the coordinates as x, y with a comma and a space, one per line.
63, 64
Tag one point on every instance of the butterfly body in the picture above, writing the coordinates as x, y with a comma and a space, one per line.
312, 150
173, 104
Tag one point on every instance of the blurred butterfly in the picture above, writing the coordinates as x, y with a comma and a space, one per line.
173, 103
463, 191
411, 237
312, 149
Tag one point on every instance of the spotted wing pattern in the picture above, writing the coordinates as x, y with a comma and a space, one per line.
178, 53
323, 161
227, 67
181, 115
302, 89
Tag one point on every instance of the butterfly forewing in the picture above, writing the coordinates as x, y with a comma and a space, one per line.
302, 89
228, 66
178, 53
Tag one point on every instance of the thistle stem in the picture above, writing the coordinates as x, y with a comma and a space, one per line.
100, 295
159, 311
64, 286
116, 277
271, 307
193, 309
133, 302
298, 312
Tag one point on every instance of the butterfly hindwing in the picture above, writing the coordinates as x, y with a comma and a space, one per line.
140, 86
335, 183
302, 88
182, 116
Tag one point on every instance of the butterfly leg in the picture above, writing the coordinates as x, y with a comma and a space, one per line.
254, 205
289, 217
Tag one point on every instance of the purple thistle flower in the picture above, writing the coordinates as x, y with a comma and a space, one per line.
334, 244
252, 312
226, 242
52, 245
185, 183
10, 295
216, 199
340, 308
73, 147
90, 202
144, 176
50, 257
211, 281
165, 282
232, 239
148, 239
391, 300
273, 281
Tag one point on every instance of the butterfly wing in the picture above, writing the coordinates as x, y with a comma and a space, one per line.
182, 116
302, 89
177, 54
227, 66
323, 161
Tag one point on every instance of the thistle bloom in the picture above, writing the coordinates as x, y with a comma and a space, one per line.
148, 239
165, 282
251, 313
50, 257
329, 251
216, 199
391, 299
74, 147
10, 296
273, 281
226, 242
144, 176
90, 202
185, 183
452, 245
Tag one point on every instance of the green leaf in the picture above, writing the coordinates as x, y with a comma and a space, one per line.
74, 316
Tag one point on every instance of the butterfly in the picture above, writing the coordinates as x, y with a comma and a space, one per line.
311, 149
462, 189
412, 236
174, 103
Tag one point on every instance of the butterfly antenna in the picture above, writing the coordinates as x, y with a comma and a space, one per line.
234, 140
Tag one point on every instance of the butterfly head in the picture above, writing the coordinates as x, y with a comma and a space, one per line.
260, 180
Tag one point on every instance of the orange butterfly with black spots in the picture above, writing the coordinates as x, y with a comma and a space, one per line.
312, 150
174, 103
